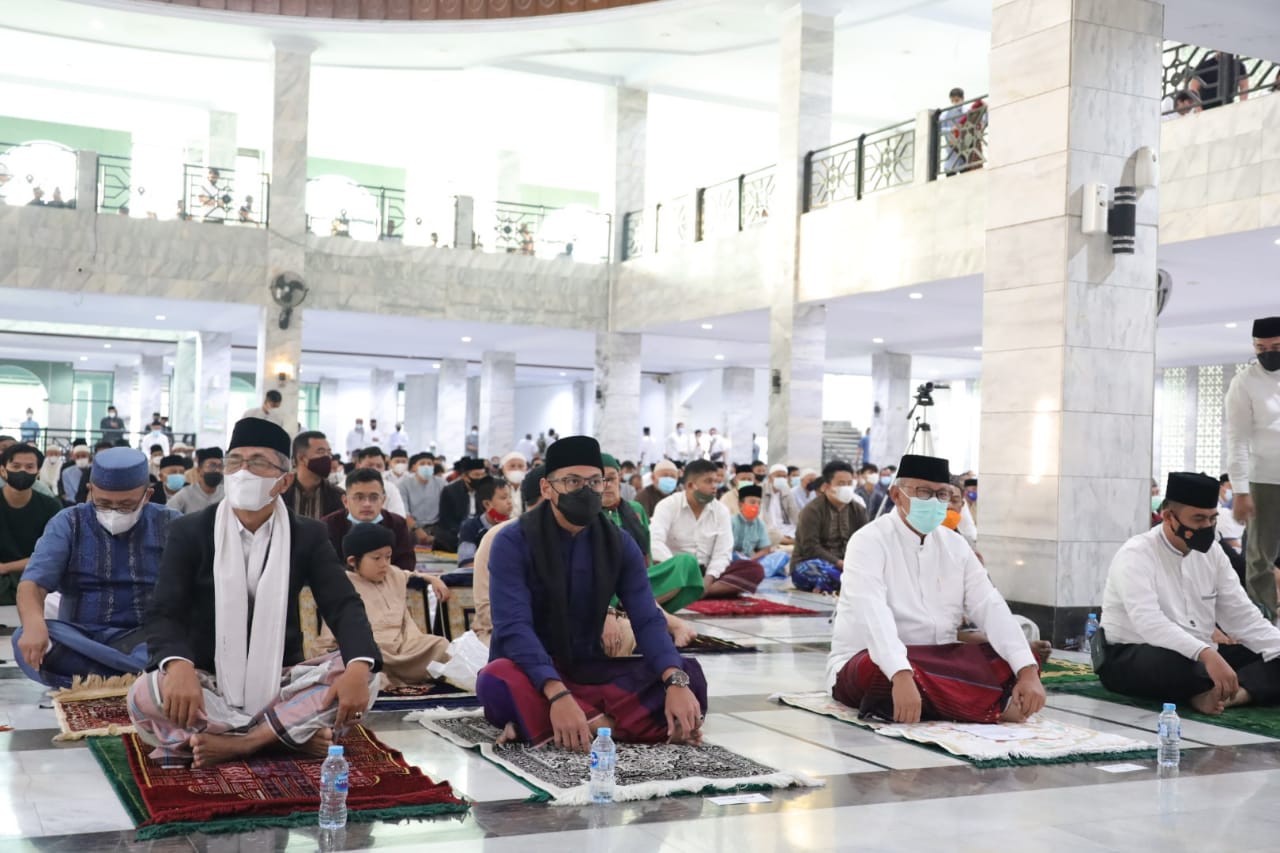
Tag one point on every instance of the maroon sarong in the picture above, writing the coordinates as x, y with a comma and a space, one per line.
964, 682
743, 575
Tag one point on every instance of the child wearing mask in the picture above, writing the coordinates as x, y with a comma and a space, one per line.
751, 540
496, 504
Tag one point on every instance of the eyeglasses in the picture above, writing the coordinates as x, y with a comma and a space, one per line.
572, 484
925, 493
125, 508
259, 465
366, 499
211, 466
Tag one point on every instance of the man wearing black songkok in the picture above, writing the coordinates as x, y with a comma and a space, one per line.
458, 503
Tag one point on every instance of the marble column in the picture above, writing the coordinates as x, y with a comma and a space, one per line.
737, 390
124, 393
678, 410
627, 115
333, 420
583, 408
1068, 327
451, 408
497, 403
151, 382
420, 391
473, 401
797, 333
287, 236
183, 395
86, 188
222, 147
213, 390
383, 394
617, 378
892, 397
464, 222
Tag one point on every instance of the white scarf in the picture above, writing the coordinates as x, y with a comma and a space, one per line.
246, 686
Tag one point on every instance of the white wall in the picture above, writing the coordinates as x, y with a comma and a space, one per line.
847, 397
653, 405
338, 416
543, 407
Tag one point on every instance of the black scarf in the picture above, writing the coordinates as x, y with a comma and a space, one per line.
551, 615
631, 523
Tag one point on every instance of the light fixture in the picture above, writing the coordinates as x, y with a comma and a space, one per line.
1232, 325
435, 366
977, 349
466, 339
161, 317
562, 373
97, 24
877, 340
1278, 241
1019, 563
84, 358
106, 346
916, 295
283, 371
719, 357
706, 327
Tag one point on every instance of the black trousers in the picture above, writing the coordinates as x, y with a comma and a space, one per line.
1151, 672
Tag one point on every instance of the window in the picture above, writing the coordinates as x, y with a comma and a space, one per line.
91, 393
309, 405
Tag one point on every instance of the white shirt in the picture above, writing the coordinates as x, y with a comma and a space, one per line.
1253, 428
265, 414
1228, 527
675, 445
648, 451
898, 592
155, 437
709, 537
1155, 595
526, 448
395, 500
715, 445
399, 440
355, 441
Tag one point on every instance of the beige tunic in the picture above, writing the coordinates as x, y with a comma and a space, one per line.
406, 650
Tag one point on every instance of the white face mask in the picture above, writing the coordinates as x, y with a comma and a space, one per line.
424, 472
116, 522
82, 463
399, 468
844, 494
246, 490
780, 484
515, 478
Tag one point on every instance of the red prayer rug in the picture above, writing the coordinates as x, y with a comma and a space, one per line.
269, 790
747, 606
93, 707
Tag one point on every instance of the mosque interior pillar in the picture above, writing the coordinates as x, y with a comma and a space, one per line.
892, 397
383, 398
497, 403
737, 394
184, 399
151, 382
617, 404
213, 400
420, 391
124, 394
451, 408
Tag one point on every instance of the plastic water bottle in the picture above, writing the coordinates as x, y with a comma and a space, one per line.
1170, 728
1090, 628
604, 763
333, 790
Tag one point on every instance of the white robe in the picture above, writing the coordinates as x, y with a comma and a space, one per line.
898, 592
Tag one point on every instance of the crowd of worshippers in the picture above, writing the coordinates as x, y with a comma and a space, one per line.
577, 585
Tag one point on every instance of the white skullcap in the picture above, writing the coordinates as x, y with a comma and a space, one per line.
515, 454
807, 471
778, 469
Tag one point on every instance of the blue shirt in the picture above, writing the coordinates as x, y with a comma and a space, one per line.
749, 536
511, 573
105, 580
30, 430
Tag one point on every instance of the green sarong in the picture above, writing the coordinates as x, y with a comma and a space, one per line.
682, 573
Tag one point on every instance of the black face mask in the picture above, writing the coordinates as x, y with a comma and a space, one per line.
1269, 360
20, 480
1197, 540
212, 479
578, 508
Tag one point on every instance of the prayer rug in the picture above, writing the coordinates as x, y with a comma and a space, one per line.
427, 556
747, 606
644, 771
704, 645
277, 790
1054, 672
1255, 719
95, 707
413, 697
1038, 741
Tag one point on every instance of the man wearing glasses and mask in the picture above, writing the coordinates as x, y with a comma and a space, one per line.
553, 573
103, 556
908, 585
226, 674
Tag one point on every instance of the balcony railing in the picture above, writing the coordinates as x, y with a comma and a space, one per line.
39, 174
871, 163
1196, 78
960, 131
338, 207
220, 196
568, 233
114, 188
633, 245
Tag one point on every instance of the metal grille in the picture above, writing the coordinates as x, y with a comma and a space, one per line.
1173, 423
1209, 419
889, 159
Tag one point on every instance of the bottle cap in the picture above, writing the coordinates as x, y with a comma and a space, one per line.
1093, 615
335, 749
604, 731
1169, 706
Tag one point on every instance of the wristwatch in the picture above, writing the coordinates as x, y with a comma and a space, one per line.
679, 678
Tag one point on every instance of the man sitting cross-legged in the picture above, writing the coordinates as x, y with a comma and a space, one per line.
1166, 591
554, 572
226, 676
103, 557
907, 587
694, 522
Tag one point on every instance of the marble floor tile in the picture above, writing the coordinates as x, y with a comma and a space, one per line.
1144, 720
468, 773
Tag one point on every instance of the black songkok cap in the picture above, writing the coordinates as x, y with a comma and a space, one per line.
931, 469
742, 469
1266, 327
466, 464
260, 432
204, 454
970, 482
750, 492
175, 460
531, 485
1197, 490
574, 450
365, 537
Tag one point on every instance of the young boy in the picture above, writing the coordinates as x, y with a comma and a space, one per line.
751, 539
493, 496
406, 651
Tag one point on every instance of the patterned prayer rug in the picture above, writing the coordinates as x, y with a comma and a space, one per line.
1254, 719
416, 696
1037, 741
1055, 671
93, 708
276, 790
704, 645
747, 606
645, 771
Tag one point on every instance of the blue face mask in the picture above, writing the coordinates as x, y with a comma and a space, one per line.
175, 481
795, 482
886, 481
926, 515
351, 518
666, 485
